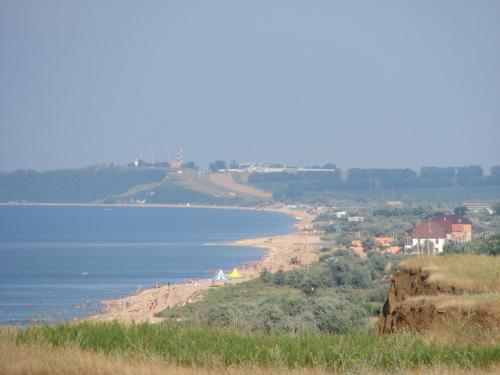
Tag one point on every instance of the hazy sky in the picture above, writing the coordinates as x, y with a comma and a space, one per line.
358, 83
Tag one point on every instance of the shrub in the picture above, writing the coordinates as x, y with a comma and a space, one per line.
335, 314
270, 317
361, 278
220, 315
378, 295
279, 278
266, 276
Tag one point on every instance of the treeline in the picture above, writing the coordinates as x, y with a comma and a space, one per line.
294, 186
489, 246
73, 185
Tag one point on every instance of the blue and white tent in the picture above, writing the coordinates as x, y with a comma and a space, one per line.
221, 277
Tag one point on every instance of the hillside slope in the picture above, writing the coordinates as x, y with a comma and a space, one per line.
88, 184
226, 181
430, 293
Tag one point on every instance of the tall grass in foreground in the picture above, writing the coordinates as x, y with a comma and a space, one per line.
195, 346
37, 360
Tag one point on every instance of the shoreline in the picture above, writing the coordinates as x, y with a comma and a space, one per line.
269, 208
280, 249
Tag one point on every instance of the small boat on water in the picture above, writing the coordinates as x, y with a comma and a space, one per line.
298, 217
84, 274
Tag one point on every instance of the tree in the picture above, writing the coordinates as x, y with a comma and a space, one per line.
491, 245
460, 210
266, 276
234, 165
368, 243
496, 208
189, 164
218, 165
279, 278
344, 239
360, 278
329, 166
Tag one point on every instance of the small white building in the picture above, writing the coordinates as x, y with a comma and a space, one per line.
340, 214
355, 219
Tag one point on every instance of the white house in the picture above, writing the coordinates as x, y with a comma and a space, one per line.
340, 214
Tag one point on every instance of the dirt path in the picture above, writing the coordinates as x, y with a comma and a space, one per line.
225, 180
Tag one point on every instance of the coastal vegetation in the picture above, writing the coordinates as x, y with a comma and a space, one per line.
340, 292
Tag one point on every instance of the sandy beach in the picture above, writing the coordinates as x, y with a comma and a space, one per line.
300, 244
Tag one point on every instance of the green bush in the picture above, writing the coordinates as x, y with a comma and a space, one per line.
378, 295
488, 246
266, 276
279, 278
361, 278
336, 315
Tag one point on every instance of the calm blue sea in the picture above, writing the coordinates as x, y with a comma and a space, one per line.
53, 258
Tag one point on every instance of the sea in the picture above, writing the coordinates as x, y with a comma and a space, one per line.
58, 262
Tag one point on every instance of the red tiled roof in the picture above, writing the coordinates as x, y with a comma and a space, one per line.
384, 240
447, 221
428, 229
454, 219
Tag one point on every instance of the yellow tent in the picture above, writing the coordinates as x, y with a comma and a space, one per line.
235, 274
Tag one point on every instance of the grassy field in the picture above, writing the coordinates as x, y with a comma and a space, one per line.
185, 346
37, 360
474, 273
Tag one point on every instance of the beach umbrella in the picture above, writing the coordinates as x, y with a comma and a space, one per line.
220, 276
235, 274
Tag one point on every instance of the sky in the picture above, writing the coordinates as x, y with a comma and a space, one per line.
384, 84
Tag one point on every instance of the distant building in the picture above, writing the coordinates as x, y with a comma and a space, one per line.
339, 214
337, 229
386, 242
357, 247
458, 228
394, 204
430, 236
355, 219
478, 206
177, 163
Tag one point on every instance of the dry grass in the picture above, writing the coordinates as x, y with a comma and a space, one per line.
37, 360
465, 301
226, 181
474, 273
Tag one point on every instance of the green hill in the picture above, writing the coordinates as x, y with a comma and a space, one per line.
73, 185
